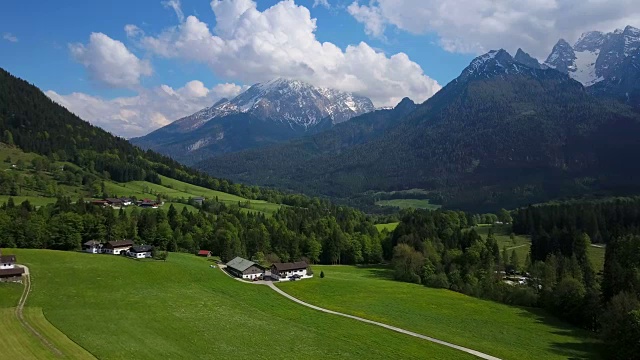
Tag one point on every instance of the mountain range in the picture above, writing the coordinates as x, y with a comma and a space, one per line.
506, 132
266, 113
608, 64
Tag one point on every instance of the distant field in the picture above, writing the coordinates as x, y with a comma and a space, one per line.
16, 342
119, 308
389, 227
496, 329
177, 189
409, 203
34, 200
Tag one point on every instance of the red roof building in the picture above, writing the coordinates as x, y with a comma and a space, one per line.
204, 253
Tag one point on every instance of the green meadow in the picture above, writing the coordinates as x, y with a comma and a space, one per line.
389, 227
495, 329
119, 308
409, 203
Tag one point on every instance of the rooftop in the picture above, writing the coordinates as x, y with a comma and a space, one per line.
291, 266
241, 264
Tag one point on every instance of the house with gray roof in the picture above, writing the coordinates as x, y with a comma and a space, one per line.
245, 269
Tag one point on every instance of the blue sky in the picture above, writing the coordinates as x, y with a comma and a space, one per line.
171, 65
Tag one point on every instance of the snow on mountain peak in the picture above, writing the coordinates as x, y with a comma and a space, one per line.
286, 100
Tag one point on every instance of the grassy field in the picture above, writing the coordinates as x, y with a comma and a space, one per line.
493, 328
522, 245
175, 189
389, 227
16, 342
119, 308
34, 200
409, 203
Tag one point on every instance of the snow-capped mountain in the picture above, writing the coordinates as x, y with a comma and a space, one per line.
283, 100
596, 56
500, 62
270, 112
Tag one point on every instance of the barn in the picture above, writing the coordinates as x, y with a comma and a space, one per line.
245, 269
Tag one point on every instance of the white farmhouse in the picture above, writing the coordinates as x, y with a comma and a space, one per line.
92, 246
117, 247
289, 271
245, 269
140, 252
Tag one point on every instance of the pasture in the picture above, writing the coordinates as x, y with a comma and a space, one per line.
496, 329
409, 203
389, 227
182, 309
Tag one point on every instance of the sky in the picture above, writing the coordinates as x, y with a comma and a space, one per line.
134, 66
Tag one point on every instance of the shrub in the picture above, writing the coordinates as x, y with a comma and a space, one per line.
321, 274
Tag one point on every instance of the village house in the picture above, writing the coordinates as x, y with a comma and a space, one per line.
9, 272
126, 201
289, 271
117, 247
198, 200
117, 203
141, 252
204, 253
148, 204
92, 246
245, 269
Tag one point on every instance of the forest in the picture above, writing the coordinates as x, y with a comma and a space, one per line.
442, 249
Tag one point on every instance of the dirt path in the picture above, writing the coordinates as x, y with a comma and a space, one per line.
396, 329
519, 246
20, 315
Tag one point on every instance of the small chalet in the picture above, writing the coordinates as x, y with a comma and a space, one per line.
117, 247
92, 246
198, 200
141, 252
126, 201
114, 202
245, 269
148, 204
204, 253
289, 271
9, 272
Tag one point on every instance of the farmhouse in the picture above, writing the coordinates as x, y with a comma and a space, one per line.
148, 204
288, 271
114, 202
204, 253
117, 247
245, 269
198, 200
8, 270
92, 246
140, 252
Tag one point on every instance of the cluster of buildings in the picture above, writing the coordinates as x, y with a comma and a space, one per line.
120, 247
249, 270
9, 272
118, 203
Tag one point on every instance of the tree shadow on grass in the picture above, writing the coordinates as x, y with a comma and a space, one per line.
590, 348
382, 272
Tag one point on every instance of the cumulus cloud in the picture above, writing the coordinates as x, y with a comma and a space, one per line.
324, 3
176, 6
148, 110
476, 26
109, 62
10, 37
255, 46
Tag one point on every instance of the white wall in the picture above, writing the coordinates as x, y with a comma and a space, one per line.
6, 266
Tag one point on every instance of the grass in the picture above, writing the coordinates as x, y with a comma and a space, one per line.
409, 203
389, 227
34, 200
16, 342
496, 329
176, 189
119, 308
596, 255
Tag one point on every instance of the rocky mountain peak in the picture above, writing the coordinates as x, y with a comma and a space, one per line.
524, 58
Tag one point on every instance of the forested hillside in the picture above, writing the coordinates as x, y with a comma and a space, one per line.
501, 135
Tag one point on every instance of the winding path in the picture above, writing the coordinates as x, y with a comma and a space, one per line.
20, 315
386, 326
396, 329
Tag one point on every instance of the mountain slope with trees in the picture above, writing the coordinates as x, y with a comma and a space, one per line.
503, 134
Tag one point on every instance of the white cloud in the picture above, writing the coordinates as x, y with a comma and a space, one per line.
109, 62
476, 26
148, 110
133, 30
254, 46
176, 6
10, 37
324, 3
